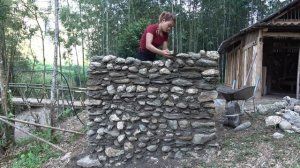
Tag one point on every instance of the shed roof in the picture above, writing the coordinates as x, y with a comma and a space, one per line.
261, 24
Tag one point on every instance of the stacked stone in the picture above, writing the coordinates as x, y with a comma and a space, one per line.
138, 108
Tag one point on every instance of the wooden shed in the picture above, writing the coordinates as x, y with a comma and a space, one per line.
269, 49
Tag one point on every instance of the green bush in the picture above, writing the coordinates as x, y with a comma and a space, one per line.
128, 40
37, 152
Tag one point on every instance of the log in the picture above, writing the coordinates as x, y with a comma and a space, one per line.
40, 125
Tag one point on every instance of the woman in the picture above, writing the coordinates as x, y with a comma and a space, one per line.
156, 36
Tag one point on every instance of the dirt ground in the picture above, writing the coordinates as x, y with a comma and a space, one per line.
253, 147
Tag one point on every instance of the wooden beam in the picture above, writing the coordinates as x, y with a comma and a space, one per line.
249, 45
258, 62
281, 34
298, 75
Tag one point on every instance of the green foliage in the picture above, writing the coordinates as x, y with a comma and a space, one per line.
65, 114
128, 40
37, 152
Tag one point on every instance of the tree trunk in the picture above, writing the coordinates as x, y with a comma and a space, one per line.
8, 131
54, 75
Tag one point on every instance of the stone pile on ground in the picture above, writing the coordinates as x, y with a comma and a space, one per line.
284, 113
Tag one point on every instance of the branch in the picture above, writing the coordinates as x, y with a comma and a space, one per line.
40, 125
38, 138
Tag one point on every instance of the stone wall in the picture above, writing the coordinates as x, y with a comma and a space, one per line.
146, 108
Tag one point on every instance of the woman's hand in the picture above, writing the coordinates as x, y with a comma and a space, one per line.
166, 53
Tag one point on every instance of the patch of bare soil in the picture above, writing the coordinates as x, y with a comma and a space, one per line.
253, 147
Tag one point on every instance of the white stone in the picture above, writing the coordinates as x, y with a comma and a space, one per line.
192, 91
278, 135
297, 108
121, 138
120, 125
165, 71
121, 88
88, 162
111, 152
177, 89
114, 117
140, 88
273, 120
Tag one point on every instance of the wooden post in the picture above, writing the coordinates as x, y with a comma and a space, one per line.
298, 75
259, 60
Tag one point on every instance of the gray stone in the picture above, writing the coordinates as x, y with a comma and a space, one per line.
120, 60
111, 152
91, 102
192, 91
243, 126
166, 149
88, 162
184, 123
210, 72
153, 70
278, 135
205, 86
116, 74
131, 89
172, 124
194, 106
152, 89
168, 63
144, 139
200, 139
121, 138
156, 103
290, 115
142, 127
181, 105
163, 96
110, 66
108, 58
190, 62
133, 69
128, 146
91, 132
111, 89
114, 117
164, 71
163, 126
285, 125
140, 88
101, 131
169, 103
114, 133
207, 96
158, 63
153, 76
270, 108
173, 116
120, 125
178, 155
142, 145
214, 55
121, 81
143, 71
297, 108
178, 90
152, 148
182, 82
206, 63
164, 89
